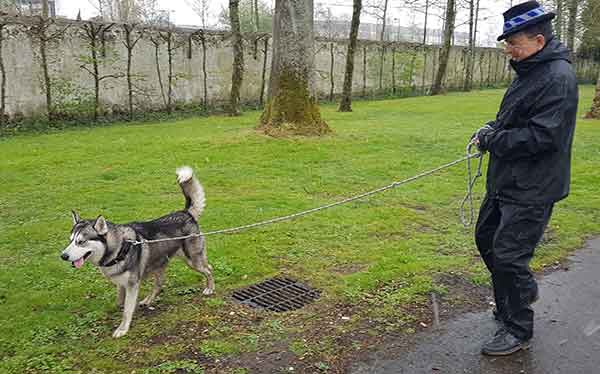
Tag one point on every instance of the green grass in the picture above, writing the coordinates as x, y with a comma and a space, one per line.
56, 319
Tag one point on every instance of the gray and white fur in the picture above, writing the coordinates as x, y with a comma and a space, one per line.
107, 246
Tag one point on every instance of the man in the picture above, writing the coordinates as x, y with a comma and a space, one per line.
529, 169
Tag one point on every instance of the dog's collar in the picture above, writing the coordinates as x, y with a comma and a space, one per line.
123, 252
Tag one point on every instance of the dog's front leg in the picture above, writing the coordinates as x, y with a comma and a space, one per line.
131, 295
120, 296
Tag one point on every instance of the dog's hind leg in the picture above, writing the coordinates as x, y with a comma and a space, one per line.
159, 277
195, 257
131, 294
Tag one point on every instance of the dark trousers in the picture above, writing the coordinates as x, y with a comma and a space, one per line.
506, 236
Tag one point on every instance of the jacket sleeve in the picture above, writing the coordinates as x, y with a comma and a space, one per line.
544, 130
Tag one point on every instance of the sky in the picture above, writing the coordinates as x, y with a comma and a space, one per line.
181, 14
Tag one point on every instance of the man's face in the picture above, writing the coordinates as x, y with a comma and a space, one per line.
521, 46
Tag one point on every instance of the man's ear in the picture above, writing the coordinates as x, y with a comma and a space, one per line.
541, 41
100, 226
76, 217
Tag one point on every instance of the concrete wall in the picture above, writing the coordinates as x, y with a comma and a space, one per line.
73, 87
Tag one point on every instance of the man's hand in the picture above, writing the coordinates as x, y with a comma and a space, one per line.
481, 137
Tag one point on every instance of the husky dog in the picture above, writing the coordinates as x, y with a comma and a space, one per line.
111, 247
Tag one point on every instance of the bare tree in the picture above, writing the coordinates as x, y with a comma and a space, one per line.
445, 52
3, 77
292, 106
346, 102
237, 74
379, 10
247, 11
264, 69
132, 37
169, 37
117, 10
256, 18
470, 60
92, 34
559, 21
201, 37
149, 13
41, 31
202, 10
591, 41
572, 24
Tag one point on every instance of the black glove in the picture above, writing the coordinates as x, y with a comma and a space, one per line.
483, 136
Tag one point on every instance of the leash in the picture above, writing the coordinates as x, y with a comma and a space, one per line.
470, 183
469, 198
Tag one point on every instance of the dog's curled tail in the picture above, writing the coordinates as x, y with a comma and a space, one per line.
192, 190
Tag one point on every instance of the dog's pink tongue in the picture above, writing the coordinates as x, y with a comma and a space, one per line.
79, 263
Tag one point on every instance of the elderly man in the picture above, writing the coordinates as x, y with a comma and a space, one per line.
529, 169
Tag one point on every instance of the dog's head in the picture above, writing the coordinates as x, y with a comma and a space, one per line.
88, 241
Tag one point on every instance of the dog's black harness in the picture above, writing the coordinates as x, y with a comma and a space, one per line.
123, 252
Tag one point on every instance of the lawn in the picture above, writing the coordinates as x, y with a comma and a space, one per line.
370, 258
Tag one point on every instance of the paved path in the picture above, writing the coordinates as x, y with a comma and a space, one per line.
566, 341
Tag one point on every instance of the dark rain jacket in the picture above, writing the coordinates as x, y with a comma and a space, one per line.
530, 148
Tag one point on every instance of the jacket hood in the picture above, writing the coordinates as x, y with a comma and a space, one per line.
554, 50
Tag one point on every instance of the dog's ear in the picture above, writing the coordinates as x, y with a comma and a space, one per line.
76, 217
100, 226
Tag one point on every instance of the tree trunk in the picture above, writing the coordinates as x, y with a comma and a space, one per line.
445, 53
3, 77
572, 27
170, 49
158, 73
237, 74
129, 45
331, 77
96, 75
469, 72
256, 16
45, 8
381, 40
264, 71
346, 102
559, 23
475, 29
204, 73
42, 29
292, 106
364, 89
424, 45
47, 82
393, 70
595, 110
129, 84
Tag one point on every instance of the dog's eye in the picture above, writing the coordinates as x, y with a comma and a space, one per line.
81, 242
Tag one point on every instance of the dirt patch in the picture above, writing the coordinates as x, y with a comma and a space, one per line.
347, 269
462, 295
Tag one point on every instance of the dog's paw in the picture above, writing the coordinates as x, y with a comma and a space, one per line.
120, 331
147, 301
184, 174
208, 291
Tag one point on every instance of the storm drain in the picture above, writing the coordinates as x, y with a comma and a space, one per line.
277, 294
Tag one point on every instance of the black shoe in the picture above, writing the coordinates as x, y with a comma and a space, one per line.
503, 344
497, 315
535, 297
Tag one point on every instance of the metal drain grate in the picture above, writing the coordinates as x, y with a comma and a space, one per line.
277, 294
